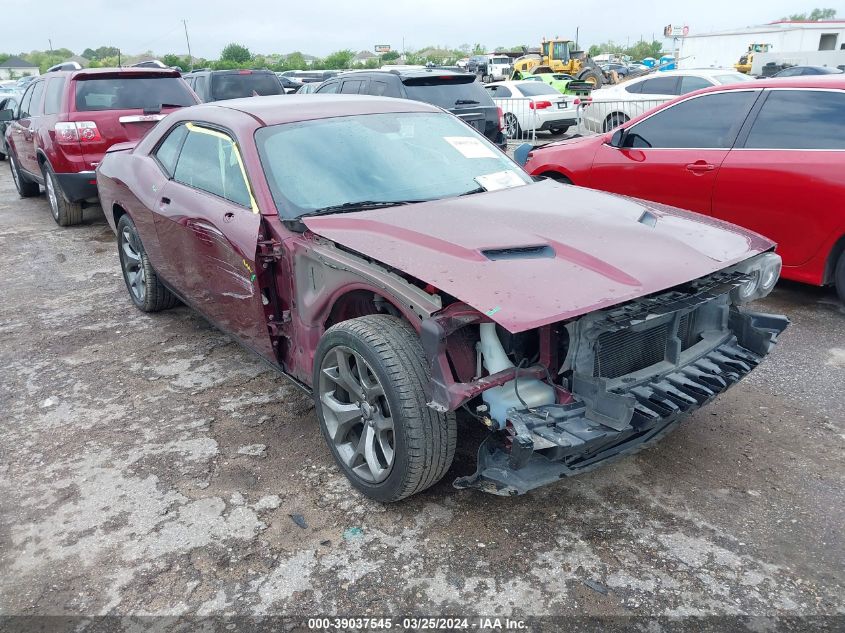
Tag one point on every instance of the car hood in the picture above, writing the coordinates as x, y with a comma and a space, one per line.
544, 252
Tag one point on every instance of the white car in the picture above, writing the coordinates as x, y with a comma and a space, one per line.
531, 106
612, 106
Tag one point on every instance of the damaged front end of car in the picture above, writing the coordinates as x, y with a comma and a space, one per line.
565, 397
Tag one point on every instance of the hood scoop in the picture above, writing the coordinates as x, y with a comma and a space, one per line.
540, 251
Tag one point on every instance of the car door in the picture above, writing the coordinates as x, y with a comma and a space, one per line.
784, 178
207, 224
23, 127
8, 103
674, 155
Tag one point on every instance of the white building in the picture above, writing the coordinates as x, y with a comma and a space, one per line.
722, 49
15, 68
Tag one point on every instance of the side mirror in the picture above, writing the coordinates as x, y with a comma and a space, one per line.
520, 154
7, 115
618, 138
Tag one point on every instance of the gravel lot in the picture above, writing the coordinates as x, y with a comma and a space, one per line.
148, 465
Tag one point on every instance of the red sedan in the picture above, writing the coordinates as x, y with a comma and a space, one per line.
767, 155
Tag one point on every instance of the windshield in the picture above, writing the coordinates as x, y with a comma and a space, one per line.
501, 60
235, 86
131, 93
732, 78
378, 158
447, 93
536, 89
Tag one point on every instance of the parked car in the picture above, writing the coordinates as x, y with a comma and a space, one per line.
563, 83
477, 65
7, 102
394, 264
737, 153
219, 85
319, 76
66, 120
457, 92
613, 105
621, 70
24, 81
801, 71
533, 106
308, 88
288, 83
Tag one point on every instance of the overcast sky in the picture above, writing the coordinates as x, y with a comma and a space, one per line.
320, 27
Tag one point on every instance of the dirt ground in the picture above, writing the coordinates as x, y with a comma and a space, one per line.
149, 465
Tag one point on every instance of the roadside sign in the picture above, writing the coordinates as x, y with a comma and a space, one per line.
382, 48
675, 31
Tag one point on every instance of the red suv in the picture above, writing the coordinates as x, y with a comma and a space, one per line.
768, 155
67, 120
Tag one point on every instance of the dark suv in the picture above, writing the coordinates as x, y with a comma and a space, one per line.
457, 92
218, 85
66, 120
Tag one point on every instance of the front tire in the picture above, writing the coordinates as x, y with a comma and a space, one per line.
839, 277
65, 213
146, 290
557, 131
26, 188
369, 391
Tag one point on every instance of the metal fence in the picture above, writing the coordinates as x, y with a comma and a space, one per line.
519, 121
597, 115
524, 117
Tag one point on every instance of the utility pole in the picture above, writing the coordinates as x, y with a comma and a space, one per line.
190, 56
50, 42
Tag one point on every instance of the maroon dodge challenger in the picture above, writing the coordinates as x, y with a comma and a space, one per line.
388, 259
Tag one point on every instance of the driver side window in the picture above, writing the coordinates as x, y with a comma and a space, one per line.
710, 121
209, 161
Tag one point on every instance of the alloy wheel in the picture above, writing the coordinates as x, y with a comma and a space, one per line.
511, 126
51, 195
356, 414
133, 267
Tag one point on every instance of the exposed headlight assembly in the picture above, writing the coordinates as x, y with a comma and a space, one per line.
764, 271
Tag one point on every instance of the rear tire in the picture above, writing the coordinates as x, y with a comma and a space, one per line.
26, 188
65, 213
839, 277
146, 290
615, 120
557, 131
369, 384
512, 128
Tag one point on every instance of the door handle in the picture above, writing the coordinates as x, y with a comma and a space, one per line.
699, 167
165, 200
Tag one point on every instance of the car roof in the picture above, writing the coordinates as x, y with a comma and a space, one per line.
232, 71
93, 72
807, 81
277, 109
828, 69
414, 72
